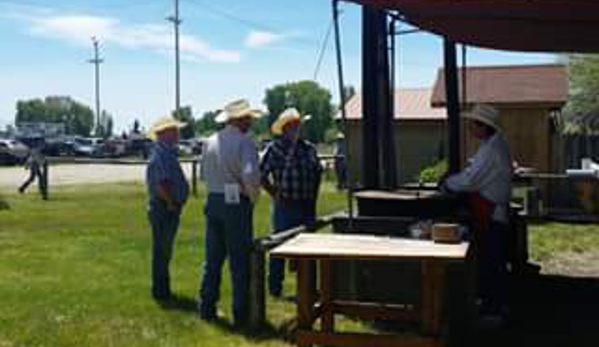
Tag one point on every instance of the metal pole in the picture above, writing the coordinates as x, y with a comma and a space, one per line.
349, 184
176, 20
97, 61
453, 104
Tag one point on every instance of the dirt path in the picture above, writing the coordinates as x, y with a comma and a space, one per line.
12, 177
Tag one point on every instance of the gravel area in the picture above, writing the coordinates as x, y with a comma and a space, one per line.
12, 177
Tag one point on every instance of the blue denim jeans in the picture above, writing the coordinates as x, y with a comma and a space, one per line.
164, 229
286, 216
229, 232
493, 275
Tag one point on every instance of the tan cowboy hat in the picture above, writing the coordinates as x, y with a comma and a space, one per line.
236, 110
485, 114
288, 116
164, 123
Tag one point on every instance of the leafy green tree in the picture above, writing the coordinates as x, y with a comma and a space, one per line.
310, 99
185, 115
583, 106
207, 124
77, 117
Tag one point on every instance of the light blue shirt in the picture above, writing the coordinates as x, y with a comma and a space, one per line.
490, 174
164, 166
230, 157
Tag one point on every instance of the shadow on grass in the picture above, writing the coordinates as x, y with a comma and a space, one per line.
179, 303
266, 333
549, 310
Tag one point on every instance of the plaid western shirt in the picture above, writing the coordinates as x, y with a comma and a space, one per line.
295, 169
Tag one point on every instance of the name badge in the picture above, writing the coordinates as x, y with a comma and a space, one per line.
232, 194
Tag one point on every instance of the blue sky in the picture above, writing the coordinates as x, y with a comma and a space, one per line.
230, 49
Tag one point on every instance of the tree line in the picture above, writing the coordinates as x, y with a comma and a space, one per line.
307, 96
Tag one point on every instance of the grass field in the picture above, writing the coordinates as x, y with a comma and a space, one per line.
74, 271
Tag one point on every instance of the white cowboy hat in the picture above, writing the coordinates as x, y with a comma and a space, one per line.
164, 123
236, 110
485, 114
288, 116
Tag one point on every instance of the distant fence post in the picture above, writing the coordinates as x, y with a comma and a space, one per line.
194, 177
44, 180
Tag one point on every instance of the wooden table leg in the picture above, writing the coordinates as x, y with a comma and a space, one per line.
306, 289
328, 317
432, 296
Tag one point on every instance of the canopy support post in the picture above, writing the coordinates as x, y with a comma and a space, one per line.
453, 103
342, 100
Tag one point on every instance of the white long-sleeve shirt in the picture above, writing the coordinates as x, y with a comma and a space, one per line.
490, 174
230, 157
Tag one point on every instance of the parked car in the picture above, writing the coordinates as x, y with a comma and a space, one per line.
86, 147
185, 148
57, 147
139, 147
112, 148
13, 152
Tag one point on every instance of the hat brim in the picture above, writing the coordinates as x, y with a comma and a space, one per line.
478, 118
162, 127
278, 126
225, 117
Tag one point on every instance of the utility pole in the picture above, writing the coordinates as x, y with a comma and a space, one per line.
97, 61
176, 20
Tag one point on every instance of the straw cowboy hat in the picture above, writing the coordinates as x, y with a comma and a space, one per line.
485, 114
236, 110
290, 115
164, 123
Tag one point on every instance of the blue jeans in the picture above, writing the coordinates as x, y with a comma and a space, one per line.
229, 231
286, 216
164, 229
493, 275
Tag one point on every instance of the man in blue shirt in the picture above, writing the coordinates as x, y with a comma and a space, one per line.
168, 191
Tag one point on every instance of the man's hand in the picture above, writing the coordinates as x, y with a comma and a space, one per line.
172, 206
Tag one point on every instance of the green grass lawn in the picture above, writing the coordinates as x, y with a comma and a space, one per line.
74, 271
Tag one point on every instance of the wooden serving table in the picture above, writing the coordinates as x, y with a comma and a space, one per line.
317, 303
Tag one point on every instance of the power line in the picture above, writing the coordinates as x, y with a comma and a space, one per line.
323, 49
246, 22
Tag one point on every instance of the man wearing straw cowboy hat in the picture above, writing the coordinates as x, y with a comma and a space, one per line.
291, 175
168, 191
231, 171
487, 180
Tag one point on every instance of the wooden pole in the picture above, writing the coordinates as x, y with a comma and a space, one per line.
44, 180
194, 177
257, 289
453, 104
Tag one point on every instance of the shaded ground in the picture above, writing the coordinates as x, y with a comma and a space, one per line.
559, 307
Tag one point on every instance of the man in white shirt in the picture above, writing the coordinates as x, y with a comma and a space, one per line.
488, 182
230, 168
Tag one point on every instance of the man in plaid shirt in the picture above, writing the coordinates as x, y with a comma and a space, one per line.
291, 174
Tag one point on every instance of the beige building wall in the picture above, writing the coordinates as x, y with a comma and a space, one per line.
530, 136
418, 144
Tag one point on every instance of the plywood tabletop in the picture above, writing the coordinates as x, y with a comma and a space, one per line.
343, 246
